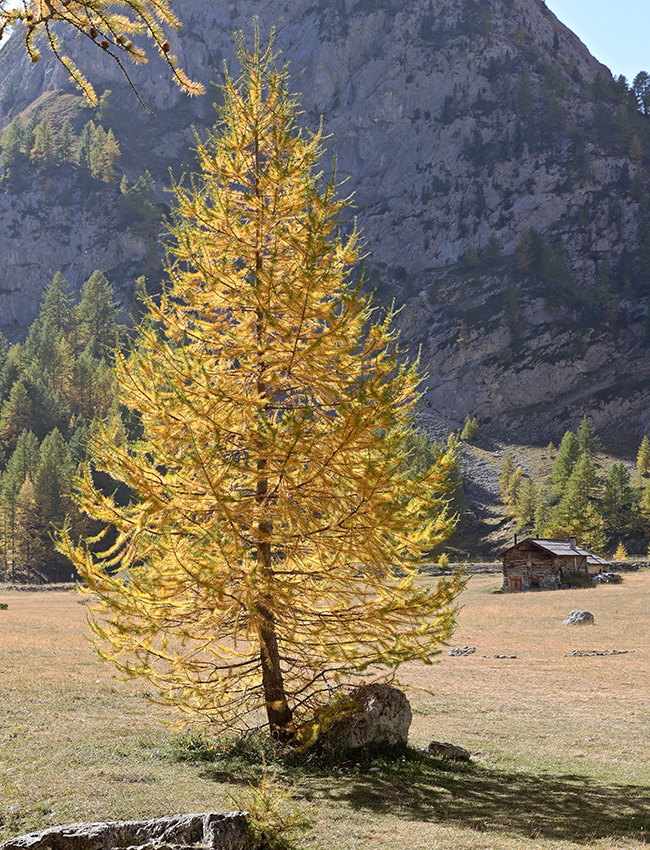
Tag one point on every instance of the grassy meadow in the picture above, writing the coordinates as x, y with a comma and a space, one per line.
560, 743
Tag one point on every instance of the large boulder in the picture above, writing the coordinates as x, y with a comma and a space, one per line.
213, 830
579, 618
378, 714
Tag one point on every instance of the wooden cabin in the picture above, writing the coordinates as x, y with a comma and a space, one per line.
542, 564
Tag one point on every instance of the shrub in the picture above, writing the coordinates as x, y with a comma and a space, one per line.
275, 821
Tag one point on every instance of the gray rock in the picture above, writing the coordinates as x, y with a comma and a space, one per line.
462, 650
215, 830
448, 751
579, 618
381, 714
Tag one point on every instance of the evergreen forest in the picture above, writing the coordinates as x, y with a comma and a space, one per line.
52, 388
607, 509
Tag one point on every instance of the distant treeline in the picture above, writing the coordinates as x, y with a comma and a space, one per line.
605, 509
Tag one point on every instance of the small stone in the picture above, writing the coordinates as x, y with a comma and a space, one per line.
579, 618
448, 751
462, 650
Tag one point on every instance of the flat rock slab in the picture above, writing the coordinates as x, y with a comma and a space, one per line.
214, 830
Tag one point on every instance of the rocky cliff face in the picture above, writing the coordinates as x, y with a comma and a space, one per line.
466, 130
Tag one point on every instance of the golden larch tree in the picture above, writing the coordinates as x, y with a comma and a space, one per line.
119, 28
270, 549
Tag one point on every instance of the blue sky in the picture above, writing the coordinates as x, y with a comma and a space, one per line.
616, 33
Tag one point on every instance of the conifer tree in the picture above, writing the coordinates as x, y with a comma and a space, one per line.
55, 308
96, 314
84, 149
28, 549
50, 489
644, 509
273, 544
643, 458
526, 504
64, 143
566, 459
20, 466
12, 144
514, 489
118, 29
588, 441
577, 514
507, 469
17, 413
29, 133
43, 149
618, 499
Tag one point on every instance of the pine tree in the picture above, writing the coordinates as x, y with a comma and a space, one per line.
96, 153
621, 552
470, 429
29, 133
644, 510
526, 505
78, 442
84, 149
28, 546
514, 489
53, 477
55, 307
20, 466
12, 144
111, 156
111, 27
507, 469
618, 499
64, 143
643, 458
43, 150
566, 459
96, 314
493, 249
13, 367
577, 515
588, 441
18, 413
272, 547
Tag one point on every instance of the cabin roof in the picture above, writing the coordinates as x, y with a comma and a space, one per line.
562, 549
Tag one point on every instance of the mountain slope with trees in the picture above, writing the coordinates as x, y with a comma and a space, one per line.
500, 176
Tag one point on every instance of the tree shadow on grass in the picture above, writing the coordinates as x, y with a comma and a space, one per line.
556, 807
572, 808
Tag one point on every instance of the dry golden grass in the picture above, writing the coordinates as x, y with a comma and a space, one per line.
561, 743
